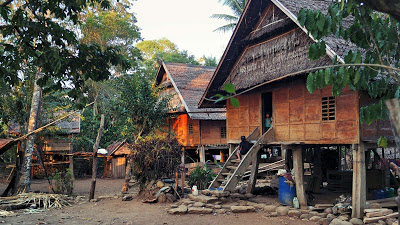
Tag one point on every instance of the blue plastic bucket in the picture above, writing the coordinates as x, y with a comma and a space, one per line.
286, 193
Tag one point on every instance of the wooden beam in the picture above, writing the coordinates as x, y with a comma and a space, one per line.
298, 174
359, 181
254, 172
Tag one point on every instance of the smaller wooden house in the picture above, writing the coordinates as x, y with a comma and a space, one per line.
201, 132
115, 162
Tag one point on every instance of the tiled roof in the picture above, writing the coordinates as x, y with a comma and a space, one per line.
191, 82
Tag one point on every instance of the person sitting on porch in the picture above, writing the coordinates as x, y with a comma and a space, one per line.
244, 147
268, 121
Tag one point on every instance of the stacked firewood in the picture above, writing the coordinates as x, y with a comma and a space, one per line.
383, 214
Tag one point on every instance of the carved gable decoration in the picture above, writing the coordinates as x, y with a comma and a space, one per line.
273, 59
272, 19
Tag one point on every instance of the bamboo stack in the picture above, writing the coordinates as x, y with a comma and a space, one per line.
38, 200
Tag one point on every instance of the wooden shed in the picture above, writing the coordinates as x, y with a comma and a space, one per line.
115, 162
197, 130
267, 47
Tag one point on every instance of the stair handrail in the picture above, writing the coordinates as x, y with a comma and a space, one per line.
267, 136
253, 136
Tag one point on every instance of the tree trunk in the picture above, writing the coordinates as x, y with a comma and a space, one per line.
25, 177
95, 148
393, 106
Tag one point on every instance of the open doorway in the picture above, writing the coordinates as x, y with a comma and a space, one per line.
266, 109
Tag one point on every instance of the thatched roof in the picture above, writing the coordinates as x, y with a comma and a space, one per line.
254, 29
189, 82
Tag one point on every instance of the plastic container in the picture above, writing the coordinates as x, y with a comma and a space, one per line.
391, 192
375, 194
195, 191
296, 203
386, 192
286, 192
381, 194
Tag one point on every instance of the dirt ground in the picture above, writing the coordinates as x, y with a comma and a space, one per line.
115, 211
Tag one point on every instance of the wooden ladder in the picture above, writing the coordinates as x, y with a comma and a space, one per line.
233, 169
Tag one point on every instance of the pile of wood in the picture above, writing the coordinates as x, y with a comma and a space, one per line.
34, 200
375, 215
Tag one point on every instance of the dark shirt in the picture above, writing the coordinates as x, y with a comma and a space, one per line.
244, 147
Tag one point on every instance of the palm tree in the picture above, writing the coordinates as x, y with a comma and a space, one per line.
237, 7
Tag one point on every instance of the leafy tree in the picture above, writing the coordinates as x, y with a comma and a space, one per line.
113, 27
156, 51
372, 65
40, 36
208, 61
237, 7
139, 107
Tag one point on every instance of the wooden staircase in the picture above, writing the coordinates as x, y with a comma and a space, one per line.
234, 169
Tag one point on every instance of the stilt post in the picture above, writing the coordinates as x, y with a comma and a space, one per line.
298, 174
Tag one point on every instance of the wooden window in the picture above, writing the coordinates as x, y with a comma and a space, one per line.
190, 128
223, 132
328, 108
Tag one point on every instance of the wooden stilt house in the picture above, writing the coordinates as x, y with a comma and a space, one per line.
266, 48
201, 132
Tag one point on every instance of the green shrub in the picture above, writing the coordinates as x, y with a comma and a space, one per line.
63, 182
201, 177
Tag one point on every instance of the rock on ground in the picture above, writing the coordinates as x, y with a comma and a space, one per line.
182, 209
203, 198
282, 210
315, 218
337, 221
242, 209
198, 210
198, 204
270, 208
305, 216
294, 213
356, 221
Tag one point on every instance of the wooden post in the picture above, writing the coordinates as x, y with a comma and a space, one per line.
298, 174
183, 156
359, 181
183, 176
231, 149
202, 153
254, 172
95, 148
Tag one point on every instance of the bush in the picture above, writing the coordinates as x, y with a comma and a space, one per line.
63, 182
201, 177
155, 157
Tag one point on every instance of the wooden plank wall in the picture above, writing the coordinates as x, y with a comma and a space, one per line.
55, 145
193, 138
211, 132
376, 129
297, 115
118, 166
243, 120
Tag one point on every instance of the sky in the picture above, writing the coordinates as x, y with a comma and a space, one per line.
186, 23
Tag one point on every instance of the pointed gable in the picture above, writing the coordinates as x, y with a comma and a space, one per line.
187, 83
268, 44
